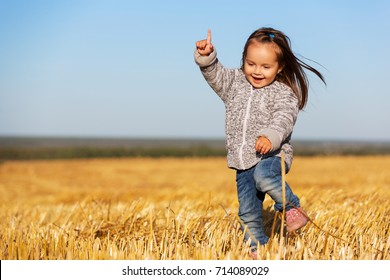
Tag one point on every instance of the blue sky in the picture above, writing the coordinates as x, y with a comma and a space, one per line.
126, 68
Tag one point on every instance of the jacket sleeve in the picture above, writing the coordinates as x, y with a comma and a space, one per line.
284, 115
218, 77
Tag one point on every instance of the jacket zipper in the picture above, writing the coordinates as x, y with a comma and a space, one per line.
244, 128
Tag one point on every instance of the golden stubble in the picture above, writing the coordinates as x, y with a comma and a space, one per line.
179, 209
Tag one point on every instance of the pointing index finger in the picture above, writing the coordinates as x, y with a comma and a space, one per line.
209, 37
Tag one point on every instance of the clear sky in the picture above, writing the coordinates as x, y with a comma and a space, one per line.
126, 69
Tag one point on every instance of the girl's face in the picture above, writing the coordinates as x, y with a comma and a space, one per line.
261, 64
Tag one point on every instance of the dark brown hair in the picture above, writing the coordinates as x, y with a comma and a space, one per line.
293, 73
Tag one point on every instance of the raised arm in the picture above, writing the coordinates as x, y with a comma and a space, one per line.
219, 78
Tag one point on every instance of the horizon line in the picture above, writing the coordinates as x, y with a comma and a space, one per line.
178, 138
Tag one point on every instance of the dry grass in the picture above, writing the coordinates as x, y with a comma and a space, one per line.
174, 209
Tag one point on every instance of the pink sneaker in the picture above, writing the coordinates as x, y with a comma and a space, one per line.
295, 219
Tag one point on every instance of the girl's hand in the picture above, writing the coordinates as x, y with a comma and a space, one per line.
263, 145
205, 47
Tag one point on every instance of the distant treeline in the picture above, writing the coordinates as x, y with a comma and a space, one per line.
337, 148
91, 152
62, 148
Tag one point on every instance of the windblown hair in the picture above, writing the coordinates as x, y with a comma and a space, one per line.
293, 73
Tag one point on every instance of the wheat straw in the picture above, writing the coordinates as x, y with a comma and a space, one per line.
176, 209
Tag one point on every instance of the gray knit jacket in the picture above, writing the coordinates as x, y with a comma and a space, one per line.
270, 111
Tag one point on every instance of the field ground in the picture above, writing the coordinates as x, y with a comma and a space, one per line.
174, 209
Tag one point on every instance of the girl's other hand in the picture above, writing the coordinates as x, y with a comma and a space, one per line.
263, 145
205, 47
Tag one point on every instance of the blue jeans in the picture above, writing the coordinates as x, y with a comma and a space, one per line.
252, 185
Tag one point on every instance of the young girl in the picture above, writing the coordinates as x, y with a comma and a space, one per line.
262, 100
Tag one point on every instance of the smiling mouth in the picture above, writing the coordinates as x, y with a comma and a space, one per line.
257, 80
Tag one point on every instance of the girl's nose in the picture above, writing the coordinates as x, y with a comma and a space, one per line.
257, 71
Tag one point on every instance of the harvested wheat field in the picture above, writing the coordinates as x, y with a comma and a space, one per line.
179, 209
